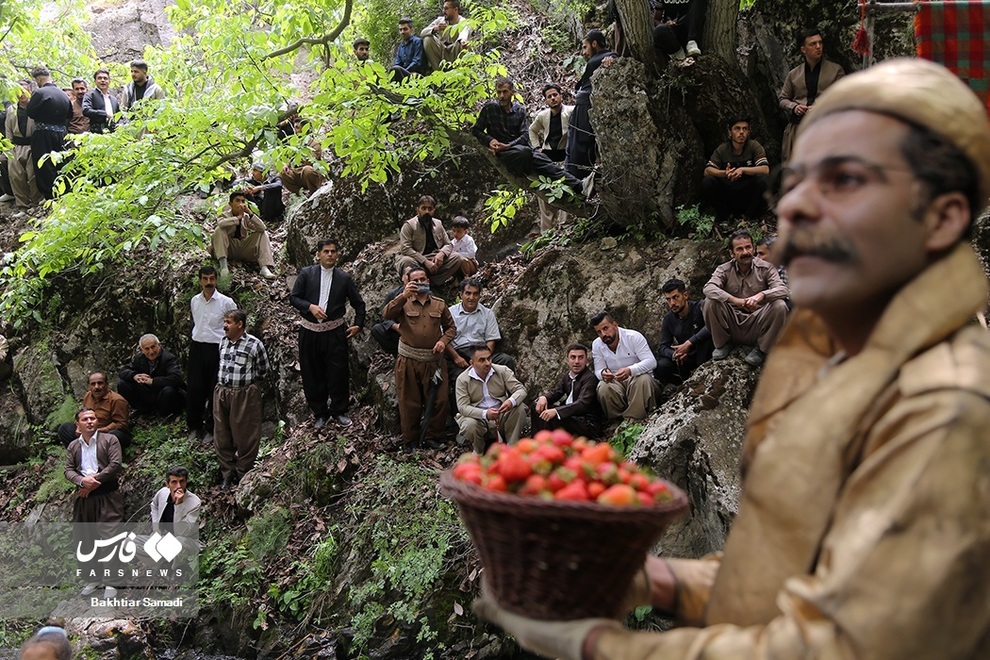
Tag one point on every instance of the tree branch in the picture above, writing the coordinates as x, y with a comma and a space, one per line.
467, 139
315, 41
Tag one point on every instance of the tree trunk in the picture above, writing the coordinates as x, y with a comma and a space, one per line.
720, 30
637, 25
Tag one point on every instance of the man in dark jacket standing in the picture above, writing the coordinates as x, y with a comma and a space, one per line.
152, 382
319, 294
100, 105
51, 111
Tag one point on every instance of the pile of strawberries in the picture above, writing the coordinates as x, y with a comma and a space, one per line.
556, 466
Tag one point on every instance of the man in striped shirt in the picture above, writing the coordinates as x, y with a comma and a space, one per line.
237, 398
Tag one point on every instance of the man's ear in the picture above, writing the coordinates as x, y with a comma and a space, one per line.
946, 220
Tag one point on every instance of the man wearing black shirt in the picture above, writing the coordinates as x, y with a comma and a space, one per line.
503, 128
319, 294
582, 151
51, 111
684, 340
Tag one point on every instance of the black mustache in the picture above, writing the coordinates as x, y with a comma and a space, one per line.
831, 247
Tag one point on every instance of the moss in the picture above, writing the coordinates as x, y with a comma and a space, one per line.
409, 530
268, 533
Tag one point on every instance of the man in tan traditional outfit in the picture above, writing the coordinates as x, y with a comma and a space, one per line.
425, 329
863, 528
804, 83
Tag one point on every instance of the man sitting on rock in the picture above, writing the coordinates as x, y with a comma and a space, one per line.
624, 366
476, 326
503, 128
489, 401
681, 26
409, 57
737, 175
442, 42
575, 399
242, 235
174, 505
685, 342
110, 408
152, 383
264, 190
548, 134
424, 242
745, 302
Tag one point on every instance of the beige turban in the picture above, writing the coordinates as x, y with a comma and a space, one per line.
920, 92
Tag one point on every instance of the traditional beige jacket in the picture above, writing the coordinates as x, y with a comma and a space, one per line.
864, 524
795, 93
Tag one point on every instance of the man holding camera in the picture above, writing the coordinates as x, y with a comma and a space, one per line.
425, 328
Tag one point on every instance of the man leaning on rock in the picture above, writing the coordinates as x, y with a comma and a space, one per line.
112, 414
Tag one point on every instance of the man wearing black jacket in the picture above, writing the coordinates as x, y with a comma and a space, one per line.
152, 382
319, 294
684, 340
95, 104
51, 111
578, 411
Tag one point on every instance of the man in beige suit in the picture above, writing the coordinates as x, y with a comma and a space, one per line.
548, 133
424, 243
804, 83
489, 401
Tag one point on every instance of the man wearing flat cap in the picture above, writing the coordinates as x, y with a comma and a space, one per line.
264, 190
863, 528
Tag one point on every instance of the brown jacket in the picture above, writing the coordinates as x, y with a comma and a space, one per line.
108, 458
412, 240
421, 325
795, 93
863, 526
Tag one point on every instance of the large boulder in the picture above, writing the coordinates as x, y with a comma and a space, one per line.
655, 134
695, 441
357, 218
550, 304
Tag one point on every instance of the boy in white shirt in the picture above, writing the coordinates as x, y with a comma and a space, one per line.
464, 245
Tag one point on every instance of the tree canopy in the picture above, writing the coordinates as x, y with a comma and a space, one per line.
230, 74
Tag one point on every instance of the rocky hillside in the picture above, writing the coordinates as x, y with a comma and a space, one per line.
337, 546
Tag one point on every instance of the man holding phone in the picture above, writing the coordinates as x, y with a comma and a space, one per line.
425, 328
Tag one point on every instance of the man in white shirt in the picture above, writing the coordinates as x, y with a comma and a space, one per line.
476, 326
173, 508
624, 366
442, 42
208, 308
489, 402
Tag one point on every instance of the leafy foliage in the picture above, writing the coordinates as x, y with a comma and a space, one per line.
410, 540
626, 436
700, 224
227, 81
502, 205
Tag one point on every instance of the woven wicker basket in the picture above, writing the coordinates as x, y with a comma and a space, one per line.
559, 560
